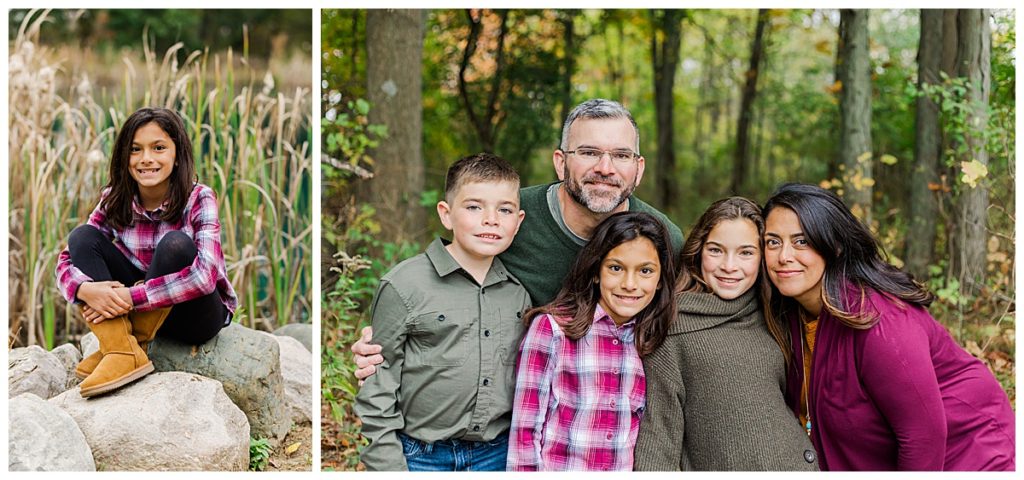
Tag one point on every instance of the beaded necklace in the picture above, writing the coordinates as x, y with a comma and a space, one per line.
808, 352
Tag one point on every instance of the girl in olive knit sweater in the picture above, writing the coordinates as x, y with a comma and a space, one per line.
715, 387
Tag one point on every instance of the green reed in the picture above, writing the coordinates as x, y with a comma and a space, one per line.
251, 145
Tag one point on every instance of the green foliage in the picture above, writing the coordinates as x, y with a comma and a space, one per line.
269, 31
259, 454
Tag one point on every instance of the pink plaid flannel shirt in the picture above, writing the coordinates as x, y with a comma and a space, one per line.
138, 242
578, 403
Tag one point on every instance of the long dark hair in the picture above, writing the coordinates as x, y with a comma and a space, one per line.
691, 270
124, 189
853, 258
578, 298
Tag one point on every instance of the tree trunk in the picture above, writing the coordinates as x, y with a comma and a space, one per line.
486, 123
703, 100
394, 53
924, 183
854, 69
974, 64
741, 156
568, 20
665, 44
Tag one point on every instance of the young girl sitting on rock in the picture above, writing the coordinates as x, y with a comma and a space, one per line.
149, 259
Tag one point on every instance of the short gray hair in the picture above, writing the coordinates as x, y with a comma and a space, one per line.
597, 108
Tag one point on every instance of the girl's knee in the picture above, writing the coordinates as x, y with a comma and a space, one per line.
85, 236
173, 252
176, 244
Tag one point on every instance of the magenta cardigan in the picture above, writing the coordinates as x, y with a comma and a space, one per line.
901, 395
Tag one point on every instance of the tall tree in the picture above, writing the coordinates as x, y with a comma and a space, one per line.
394, 52
924, 183
854, 72
665, 44
570, 46
973, 63
741, 156
485, 123
703, 101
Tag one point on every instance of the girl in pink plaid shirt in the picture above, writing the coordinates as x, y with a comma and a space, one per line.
580, 387
149, 253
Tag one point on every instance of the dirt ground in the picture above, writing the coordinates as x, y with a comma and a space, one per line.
301, 460
339, 443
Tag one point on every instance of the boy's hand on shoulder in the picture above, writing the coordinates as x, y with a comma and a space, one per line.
367, 355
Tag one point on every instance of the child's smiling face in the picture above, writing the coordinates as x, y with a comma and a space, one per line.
152, 156
629, 278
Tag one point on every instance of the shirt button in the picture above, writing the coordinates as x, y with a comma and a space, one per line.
476, 428
615, 371
487, 382
609, 436
519, 314
809, 456
440, 317
487, 333
615, 341
613, 403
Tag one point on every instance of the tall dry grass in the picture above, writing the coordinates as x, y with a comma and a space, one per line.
252, 147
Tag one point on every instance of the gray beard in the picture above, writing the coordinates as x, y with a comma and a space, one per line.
595, 203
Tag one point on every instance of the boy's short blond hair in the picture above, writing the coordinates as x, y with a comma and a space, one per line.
480, 167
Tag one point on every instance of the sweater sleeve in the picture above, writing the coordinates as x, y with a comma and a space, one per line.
660, 444
199, 278
69, 277
533, 392
378, 402
897, 373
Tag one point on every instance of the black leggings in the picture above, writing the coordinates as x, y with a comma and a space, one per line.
193, 322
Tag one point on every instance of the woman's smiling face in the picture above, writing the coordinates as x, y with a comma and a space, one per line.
793, 266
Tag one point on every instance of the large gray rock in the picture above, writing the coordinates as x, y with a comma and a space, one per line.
297, 370
43, 438
165, 421
34, 370
69, 357
247, 363
303, 332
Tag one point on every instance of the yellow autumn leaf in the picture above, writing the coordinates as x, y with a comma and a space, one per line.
973, 172
864, 157
888, 159
290, 449
993, 244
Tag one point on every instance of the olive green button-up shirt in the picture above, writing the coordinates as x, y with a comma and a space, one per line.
449, 347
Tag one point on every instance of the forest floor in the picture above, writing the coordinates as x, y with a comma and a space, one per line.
299, 460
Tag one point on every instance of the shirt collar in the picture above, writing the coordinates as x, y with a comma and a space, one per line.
139, 209
602, 316
445, 264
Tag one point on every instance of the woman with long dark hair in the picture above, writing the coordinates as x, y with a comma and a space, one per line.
876, 381
148, 261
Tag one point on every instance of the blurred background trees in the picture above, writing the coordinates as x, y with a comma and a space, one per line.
906, 114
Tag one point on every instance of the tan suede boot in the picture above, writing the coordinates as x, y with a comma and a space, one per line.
123, 361
88, 364
144, 328
145, 325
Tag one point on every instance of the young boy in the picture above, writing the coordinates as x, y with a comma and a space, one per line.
449, 322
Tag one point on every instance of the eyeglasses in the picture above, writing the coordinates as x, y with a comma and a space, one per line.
593, 155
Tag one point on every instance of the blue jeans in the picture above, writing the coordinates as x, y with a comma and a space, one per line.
455, 455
